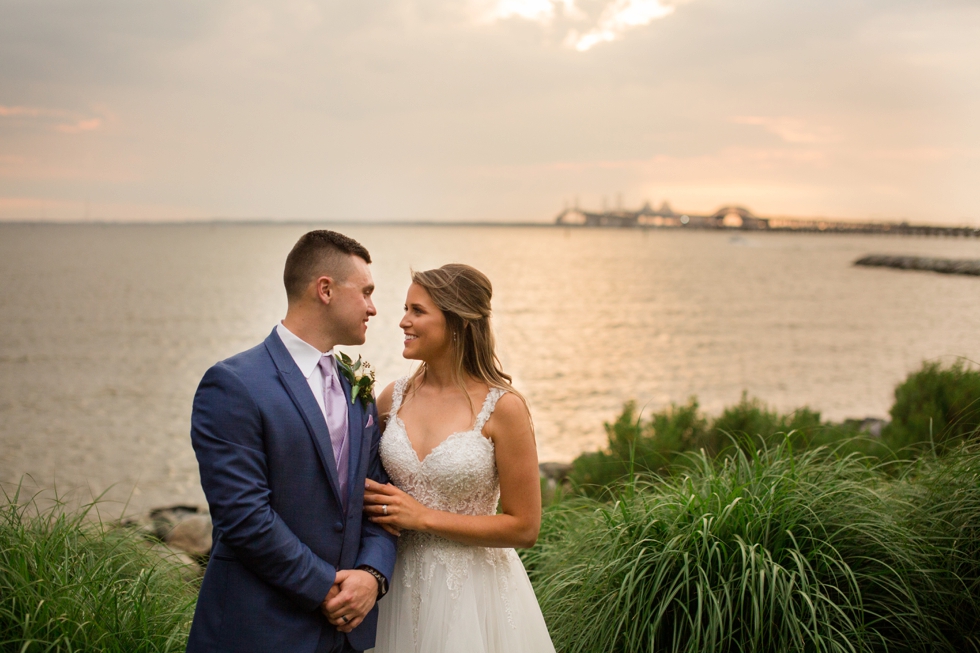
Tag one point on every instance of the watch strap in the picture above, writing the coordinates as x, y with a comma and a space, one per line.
378, 576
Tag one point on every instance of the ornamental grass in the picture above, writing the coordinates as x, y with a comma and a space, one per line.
69, 584
769, 551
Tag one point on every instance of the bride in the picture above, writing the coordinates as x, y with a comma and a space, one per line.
458, 438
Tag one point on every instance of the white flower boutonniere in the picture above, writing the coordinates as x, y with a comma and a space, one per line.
360, 375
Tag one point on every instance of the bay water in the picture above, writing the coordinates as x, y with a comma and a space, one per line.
105, 330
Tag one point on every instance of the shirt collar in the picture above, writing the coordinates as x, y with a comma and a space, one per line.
306, 356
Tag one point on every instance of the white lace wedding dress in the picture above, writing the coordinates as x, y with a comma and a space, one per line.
447, 597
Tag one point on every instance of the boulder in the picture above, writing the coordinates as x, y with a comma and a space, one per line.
554, 477
191, 535
554, 472
164, 519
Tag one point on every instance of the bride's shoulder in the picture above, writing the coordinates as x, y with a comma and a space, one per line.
384, 400
509, 414
511, 402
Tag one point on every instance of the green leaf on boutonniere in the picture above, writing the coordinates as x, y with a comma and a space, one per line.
360, 375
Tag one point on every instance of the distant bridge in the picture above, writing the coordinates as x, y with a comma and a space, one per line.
739, 217
726, 216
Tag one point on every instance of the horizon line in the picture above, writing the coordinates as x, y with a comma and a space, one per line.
413, 222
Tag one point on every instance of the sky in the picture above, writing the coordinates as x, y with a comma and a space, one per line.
500, 110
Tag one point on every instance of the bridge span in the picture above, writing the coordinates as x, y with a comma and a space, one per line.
740, 218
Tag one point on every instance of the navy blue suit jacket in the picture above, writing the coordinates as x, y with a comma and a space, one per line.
280, 529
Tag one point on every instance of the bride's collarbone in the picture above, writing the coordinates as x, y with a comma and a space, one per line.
430, 421
430, 425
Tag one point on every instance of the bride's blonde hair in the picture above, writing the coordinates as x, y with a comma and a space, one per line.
463, 295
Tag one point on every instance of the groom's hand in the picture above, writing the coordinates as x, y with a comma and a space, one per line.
357, 591
334, 591
331, 595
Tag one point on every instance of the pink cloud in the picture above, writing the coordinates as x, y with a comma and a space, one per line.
56, 210
77, 123
81, 126
28, 112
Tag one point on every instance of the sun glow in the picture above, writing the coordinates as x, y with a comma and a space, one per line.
614, 19
536, 10
617, 18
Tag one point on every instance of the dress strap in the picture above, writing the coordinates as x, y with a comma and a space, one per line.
398, 394
488, 405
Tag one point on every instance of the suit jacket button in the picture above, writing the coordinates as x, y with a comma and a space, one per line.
339, 526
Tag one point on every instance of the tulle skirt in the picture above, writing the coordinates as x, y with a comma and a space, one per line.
451, 598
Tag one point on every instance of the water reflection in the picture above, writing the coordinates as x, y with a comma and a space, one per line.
107, 329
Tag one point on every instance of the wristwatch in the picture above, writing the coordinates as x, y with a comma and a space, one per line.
378, 576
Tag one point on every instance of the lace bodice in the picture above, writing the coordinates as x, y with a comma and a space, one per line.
459, 475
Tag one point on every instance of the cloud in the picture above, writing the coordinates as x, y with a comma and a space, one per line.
791, 130
617, 18
540, 11
535, 10
29, 112
81, 126
50, 209
76, 124
48, 166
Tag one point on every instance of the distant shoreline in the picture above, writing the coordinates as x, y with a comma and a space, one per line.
277, 222
918, 229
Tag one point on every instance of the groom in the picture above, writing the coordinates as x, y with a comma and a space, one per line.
283, 454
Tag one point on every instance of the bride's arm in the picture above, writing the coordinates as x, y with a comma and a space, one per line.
519, 520
384, 405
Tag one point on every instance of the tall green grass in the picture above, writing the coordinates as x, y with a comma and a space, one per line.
945, 494
766, 552
68, 584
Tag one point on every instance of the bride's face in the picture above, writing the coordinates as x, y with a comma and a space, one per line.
426, 336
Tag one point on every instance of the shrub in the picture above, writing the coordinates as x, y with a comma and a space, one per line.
755, 424
935, 407
656, 445
66, 584
640, 447
772, 552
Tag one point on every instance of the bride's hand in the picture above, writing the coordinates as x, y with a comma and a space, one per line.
393, 509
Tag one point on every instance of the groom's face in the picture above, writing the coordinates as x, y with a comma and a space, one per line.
352, 305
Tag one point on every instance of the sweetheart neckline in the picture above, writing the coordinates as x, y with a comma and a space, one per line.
421, 461
476, 428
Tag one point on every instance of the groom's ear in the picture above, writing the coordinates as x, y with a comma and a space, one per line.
323, 288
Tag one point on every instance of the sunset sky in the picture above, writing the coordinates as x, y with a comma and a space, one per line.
488, 109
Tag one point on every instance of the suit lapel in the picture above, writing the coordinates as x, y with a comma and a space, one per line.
355, 429
299, 391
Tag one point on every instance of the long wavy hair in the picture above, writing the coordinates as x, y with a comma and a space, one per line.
463, 295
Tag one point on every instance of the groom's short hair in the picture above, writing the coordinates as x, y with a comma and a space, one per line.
319, 253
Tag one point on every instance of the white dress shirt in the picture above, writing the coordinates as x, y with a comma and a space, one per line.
307, 358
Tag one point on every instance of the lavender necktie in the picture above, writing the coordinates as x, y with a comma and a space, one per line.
335, 405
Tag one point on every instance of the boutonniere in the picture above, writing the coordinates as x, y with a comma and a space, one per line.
360, 375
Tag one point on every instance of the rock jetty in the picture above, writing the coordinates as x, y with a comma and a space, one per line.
943, 265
